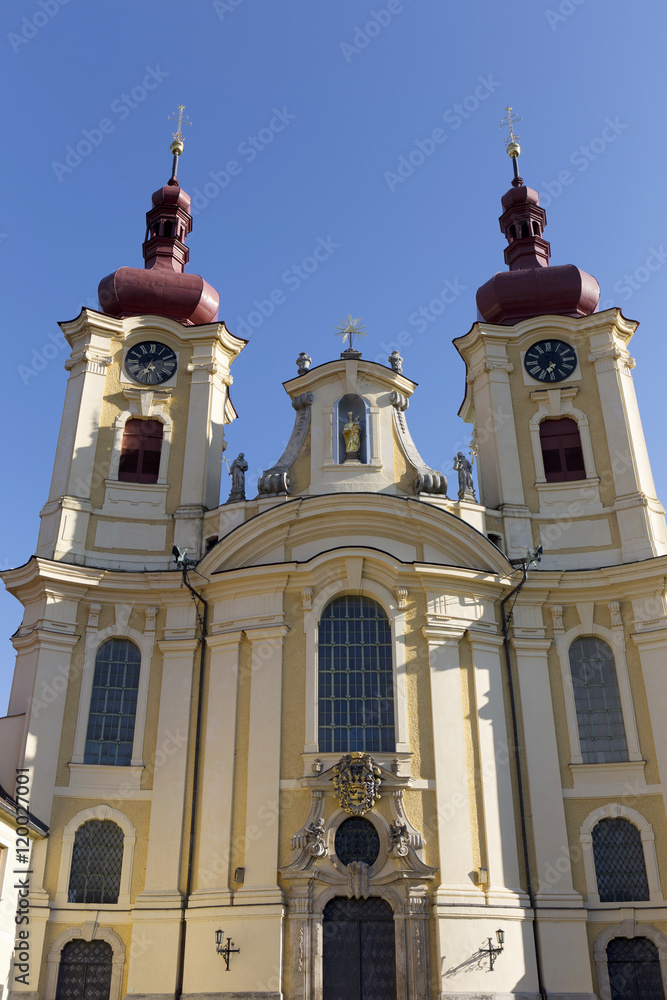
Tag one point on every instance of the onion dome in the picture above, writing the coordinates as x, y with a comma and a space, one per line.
531, 287
162, 288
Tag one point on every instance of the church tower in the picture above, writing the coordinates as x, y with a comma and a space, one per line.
140, 448
561, 450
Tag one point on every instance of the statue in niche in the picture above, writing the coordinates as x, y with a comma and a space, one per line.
464, 469
237, 471
352, 435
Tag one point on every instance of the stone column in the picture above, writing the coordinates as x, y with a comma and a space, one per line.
451, 768
218, 744
263, 791
502, 837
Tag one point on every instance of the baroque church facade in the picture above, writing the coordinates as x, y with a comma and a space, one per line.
350, 737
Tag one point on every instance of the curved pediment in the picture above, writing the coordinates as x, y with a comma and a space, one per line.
407, 530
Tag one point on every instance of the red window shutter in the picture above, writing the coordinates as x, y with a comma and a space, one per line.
561, 450
140, 451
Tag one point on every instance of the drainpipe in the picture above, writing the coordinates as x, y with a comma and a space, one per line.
182, 562
523, 565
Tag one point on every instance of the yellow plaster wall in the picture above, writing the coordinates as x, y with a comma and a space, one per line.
404, 474
299, 472
473, 760
293, 708
417, 667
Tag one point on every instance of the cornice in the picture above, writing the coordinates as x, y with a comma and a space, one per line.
339, 368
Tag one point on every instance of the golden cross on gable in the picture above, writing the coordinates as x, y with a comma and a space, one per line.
181, 120
509, 121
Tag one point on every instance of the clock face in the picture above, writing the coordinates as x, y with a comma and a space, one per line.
550, 360
150, 362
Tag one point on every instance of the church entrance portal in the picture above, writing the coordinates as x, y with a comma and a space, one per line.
359, 950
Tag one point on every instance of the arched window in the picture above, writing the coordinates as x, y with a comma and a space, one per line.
140, 451
356, 677
113, 704
634, 969
85, 971
561, 450
97, 861
598, 702
620, 868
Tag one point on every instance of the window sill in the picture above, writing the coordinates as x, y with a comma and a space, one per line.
98, 780
617, 779
385, 759
556, 498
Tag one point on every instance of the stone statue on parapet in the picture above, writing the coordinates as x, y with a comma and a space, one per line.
237, 471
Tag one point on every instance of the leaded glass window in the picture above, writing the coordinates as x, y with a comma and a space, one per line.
634, 969
620, 867
97, 860
598, 702
85, 971
356, 677
357, 840
113, 704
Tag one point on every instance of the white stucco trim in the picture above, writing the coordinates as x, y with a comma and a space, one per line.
627, 929
89, 931
154, 412
94, 640
616, 640
397, 620
101, 812
614, 810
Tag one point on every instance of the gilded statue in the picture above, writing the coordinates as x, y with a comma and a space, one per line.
352, 435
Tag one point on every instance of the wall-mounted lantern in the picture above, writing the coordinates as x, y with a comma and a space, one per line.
227, 949
494, 950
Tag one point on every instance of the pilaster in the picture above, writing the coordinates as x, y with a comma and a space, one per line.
263, 788
213, 876
451, 768
494, 750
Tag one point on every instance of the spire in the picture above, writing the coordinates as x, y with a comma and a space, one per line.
162, 288
531, 288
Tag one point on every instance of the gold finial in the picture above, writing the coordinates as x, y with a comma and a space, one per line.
512, 141
350, 328
178, 145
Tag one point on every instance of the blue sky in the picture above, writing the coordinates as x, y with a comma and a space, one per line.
303, 112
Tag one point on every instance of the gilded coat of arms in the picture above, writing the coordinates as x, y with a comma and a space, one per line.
356, 779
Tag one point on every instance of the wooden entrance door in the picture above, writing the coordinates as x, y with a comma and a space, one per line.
359, 950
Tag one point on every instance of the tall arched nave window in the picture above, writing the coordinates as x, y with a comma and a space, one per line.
113, 704
598, 701
355, 678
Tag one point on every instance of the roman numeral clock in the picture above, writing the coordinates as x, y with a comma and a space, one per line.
550, 360
150, 363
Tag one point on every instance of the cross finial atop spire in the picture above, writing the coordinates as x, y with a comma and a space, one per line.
178, 145
512, 143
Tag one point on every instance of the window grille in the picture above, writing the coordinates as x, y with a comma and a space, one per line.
356, 678
357, 840
85, 971
620, 868
113, 704
561, 450
97, 860
140, 451
598, 702
634, 969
